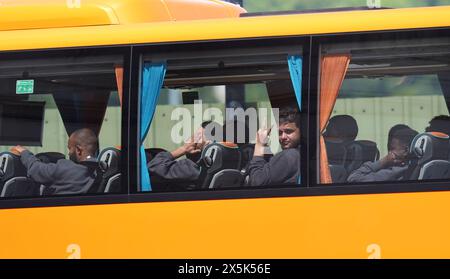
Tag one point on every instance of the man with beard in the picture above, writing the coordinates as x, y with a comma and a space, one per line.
284, 167
65, 176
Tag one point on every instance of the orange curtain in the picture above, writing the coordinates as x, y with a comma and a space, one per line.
119, 80
333, 70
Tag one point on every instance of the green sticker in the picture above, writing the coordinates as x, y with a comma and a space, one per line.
25, 86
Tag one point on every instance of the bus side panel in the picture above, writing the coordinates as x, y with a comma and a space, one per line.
409, 225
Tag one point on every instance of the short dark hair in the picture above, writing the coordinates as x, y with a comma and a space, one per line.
440, 123
290, 114
405, 135
392, 131
87, 139
342, 126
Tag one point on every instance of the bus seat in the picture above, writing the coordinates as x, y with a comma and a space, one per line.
50, 157
220, 161
358, 152
247, 151
227, 179
109, 162
336, 152
15, 182
338, 173
431, 151
20, 187
340, 131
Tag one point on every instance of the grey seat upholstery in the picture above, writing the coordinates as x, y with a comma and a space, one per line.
220, 164
336, 152
359, 152
109, 162
227, 179
14, 180
50, 157
338, 173
20, 187
430, 152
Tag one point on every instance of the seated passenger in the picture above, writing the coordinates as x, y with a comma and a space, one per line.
341, 128
166, 166
284, 167
440, 123
394, 165
64, 176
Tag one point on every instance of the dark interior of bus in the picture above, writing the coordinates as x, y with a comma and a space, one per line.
189, 73
403, 69
79, 89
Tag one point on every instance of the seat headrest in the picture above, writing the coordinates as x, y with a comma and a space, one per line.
366, 149
50, 157
430, 146
342, 127
109, 159
7, 165
220, 155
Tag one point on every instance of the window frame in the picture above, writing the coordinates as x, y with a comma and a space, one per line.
158, 50
394, 186
130, 139
124, 52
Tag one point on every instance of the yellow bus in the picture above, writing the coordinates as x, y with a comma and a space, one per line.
143, 75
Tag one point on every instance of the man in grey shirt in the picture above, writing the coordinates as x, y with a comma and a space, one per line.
284, 167
64, 176
394, 165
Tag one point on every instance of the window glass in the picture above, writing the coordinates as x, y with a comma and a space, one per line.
60, 125
223, 121
384, 111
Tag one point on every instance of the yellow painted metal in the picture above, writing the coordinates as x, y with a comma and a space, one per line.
54, 16
408, 225
38, 14
228, 28
403, 225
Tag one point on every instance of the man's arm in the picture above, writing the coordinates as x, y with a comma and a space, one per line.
374, 171
281, 168
165, 166
36, 170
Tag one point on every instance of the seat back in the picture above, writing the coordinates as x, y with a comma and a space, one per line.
436, 169
113, 184
14, 181
227, 179
338, 173
216, 157
109, 162
247, 151
20, 187
359, 152
50, 157
8, 166
336, 152
430, 153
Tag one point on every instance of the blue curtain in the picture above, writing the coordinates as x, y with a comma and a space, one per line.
295, 63
152, 80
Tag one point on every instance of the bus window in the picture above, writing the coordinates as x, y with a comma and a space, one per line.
384, 111
60, 125
221, 121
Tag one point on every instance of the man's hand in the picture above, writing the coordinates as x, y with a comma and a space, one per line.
17, 150
262, 142
262, 136
192, 146
392, 159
